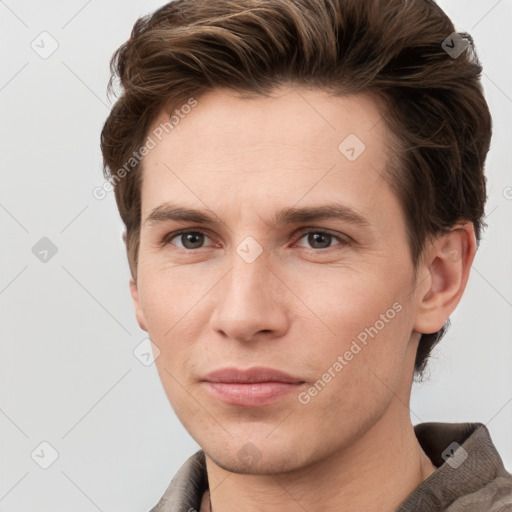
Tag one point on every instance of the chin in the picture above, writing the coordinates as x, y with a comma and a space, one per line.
266, 463
260, 456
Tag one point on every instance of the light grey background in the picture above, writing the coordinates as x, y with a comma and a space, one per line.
68, 373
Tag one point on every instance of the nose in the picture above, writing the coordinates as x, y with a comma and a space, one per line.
250, 302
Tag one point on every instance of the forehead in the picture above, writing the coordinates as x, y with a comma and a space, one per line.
296, 143
290, 116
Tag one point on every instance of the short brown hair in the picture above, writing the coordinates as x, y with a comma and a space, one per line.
434, 106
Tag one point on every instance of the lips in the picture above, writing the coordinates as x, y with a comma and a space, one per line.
251, 387
257, 374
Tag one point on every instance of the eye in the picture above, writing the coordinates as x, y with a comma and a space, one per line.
189, 240
322, 239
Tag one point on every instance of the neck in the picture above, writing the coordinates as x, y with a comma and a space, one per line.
378, 471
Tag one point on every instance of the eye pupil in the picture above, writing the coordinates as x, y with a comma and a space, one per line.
314, 238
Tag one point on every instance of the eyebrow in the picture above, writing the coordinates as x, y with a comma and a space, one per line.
290, 215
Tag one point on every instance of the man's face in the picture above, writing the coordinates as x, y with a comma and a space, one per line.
330, 301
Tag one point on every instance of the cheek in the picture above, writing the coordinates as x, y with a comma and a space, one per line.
348, 302
363, 326
169, 327
355, 381
169, 298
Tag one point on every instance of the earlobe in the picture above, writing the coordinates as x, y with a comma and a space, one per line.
447, 266
136, 303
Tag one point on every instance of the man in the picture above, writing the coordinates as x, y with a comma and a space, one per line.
303, 192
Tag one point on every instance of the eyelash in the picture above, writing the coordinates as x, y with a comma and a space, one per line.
344, 240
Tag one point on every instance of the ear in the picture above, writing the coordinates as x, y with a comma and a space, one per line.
139, 315
444, 274
136, 303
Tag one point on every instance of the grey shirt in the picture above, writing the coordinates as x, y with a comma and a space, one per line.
470, 476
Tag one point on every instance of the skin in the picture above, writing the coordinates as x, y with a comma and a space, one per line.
298, 305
